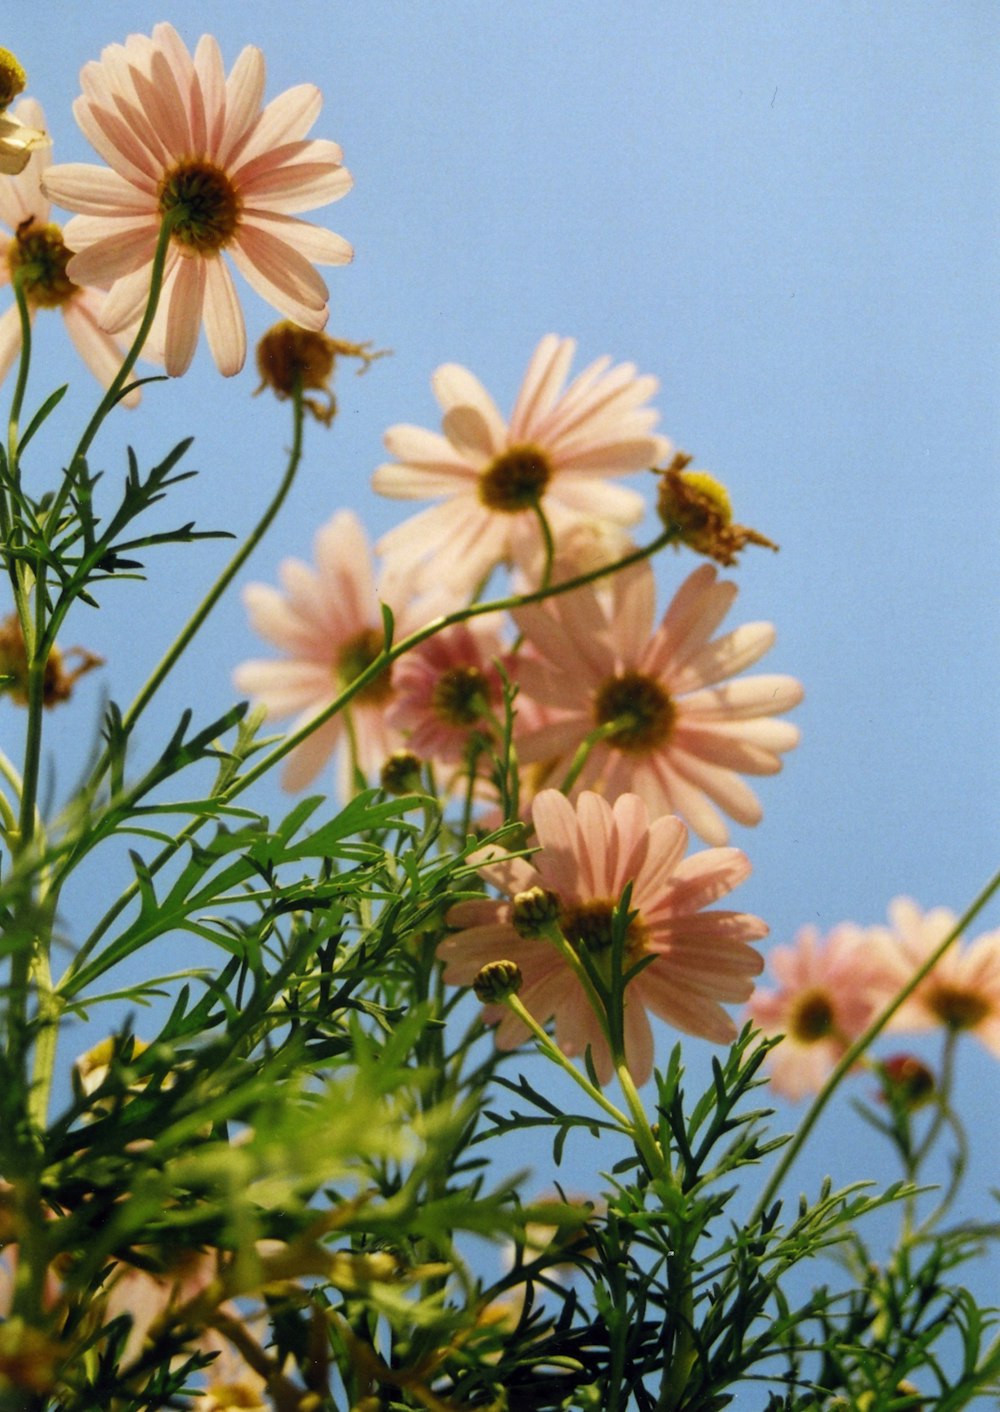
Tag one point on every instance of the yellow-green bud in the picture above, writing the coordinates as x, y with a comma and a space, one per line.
534, 911
496, 981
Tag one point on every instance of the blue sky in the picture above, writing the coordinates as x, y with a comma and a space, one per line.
786, 212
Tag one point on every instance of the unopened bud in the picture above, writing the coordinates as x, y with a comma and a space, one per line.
909, 1079
534, 911
401, 773
496, 981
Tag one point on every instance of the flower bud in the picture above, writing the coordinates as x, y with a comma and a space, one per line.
534, 911
908, 1079
400, 773
496, 981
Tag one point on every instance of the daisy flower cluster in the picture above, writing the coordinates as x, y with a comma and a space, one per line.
631, 730
831, 989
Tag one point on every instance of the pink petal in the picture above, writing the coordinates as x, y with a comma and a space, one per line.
281, 276
96, 191
244, 95
98, 350
10, 338
542, 384
184, 300
125, 256
744, 698
224, 325
319, 246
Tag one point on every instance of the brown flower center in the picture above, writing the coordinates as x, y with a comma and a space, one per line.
811, 1018
38, 251
589, 926
644, 711
461, 696
212, 207
515, 480
958, 1009
356, 655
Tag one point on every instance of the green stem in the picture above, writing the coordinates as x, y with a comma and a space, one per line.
554, 1053
46, 1042
193, 624
860, 1045
113, 393
656, 1158
582, 754
24, 364
21, 576
548, 543
379, 665
436, 625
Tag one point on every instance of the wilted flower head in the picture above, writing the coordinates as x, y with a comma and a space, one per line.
182, 137
588, 855
17, 138
697, 508
290, 357
555, 451
58, 682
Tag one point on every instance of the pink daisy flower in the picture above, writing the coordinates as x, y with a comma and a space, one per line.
31, 241
587, 855
177, 132
687, 731
556, 449
962, 992
830, 991
447, 690
328, 625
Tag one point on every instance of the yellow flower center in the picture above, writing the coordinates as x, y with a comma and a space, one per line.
211, 205
589, 926
355, 657
38, 251
958, 1009
461, 696
811, 1018
515, 480
12, 78
644, 711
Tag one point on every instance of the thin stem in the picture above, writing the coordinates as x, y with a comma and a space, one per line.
656, 1159
111, 396
548, 544
860, 1045
23, 366
193, 624
436, 625
20, 575
582, 754
553, 1052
